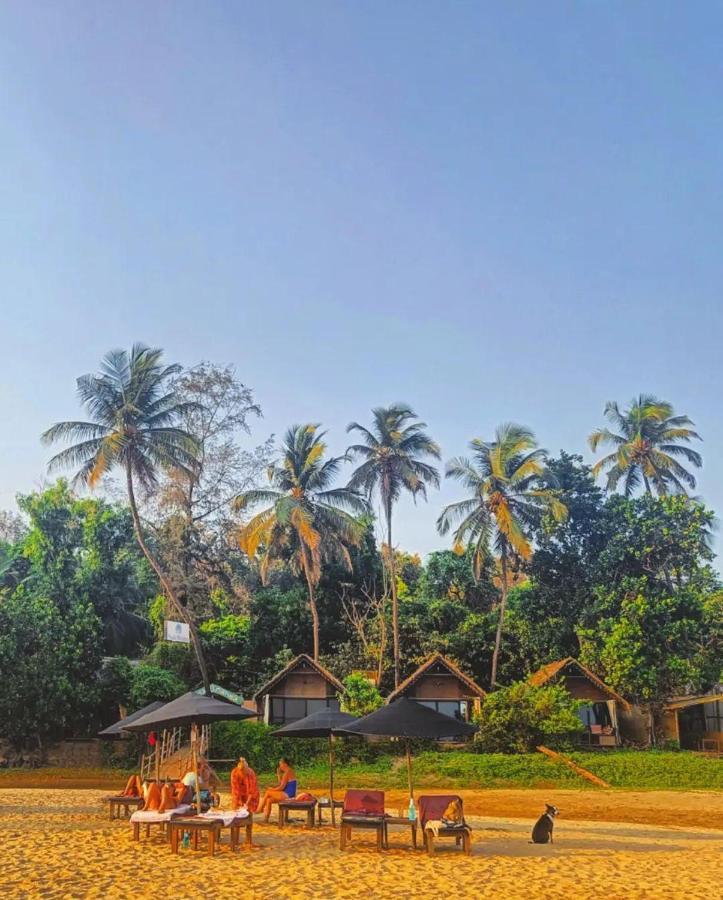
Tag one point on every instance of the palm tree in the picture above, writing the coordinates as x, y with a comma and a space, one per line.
392, 455
134, 415
307, 522
510, 490
647, 439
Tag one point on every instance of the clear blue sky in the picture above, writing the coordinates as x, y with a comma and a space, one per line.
494, 211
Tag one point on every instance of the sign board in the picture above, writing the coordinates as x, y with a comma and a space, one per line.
177, 631
218, 691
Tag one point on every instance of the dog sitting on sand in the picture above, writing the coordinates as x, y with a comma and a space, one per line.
542, 831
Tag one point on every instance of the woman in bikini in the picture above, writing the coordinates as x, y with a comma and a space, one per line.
284, 790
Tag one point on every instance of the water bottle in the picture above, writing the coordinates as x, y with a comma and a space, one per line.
186, 842
412, 810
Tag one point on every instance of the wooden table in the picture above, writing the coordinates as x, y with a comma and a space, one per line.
286, 806
326, 804
117, 803
400, 820
195, 825
247, 823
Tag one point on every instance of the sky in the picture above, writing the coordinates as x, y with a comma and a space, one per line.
492, 211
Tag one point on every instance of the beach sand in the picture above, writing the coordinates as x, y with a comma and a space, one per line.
59, 843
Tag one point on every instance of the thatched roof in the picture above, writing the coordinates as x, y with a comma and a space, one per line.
436, 659
552, 670
303, 658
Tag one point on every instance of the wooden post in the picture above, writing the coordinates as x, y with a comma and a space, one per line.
409, 772
158, 757
194, 758
331, 780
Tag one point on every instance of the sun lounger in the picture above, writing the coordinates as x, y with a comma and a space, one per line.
119, 802
364, 810
431, 809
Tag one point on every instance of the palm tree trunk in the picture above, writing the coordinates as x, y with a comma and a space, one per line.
395, 604
314, 614
382, 639
179, 610
503, 605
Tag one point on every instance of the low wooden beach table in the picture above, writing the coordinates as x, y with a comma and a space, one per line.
195, 825
307, 806
326, 804
117, 803
212, 825
400, 820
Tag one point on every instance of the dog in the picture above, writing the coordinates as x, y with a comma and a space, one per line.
542, 831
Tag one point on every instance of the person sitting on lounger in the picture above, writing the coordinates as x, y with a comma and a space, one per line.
208, 780
284, 790
244, 787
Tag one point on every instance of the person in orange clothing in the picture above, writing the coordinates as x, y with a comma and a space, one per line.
244, 787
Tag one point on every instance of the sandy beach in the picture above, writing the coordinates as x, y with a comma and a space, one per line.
59, 843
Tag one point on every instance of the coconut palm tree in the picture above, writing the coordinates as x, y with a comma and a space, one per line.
307, 522
510, 489
647, 438
134, 426
392, 454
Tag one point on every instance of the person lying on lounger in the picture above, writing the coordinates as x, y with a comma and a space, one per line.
161, 798
133, 788
284, 790
208, 780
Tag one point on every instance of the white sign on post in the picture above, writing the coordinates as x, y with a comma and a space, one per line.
177, 631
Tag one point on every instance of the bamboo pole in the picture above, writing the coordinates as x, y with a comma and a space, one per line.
409, 772
331, 780
194, 758
159, 738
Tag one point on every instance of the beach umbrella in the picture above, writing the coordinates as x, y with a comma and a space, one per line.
324, 723
116, 729
194, 710
407, 719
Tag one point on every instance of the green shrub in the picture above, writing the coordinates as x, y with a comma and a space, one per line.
518, 718
151, 683
360, 696
255, 742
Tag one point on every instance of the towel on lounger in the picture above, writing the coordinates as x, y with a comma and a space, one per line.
153, 817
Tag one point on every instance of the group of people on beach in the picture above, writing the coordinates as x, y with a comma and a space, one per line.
245, 793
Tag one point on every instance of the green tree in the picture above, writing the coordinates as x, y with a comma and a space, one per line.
510, 492
84, 550
519, 718
48, 665
647, 440
360, 696
134, 426
393, 456
308, 523
151, 683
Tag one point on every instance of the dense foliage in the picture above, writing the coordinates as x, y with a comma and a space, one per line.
519, 718
625, 583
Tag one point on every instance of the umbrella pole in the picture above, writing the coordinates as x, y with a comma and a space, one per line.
158, 758
194, 758
331, 780
409, 772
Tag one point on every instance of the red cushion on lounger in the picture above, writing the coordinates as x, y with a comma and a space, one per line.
432, 806
364, 803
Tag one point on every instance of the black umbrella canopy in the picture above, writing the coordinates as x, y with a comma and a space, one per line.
317, 725
116, 730
189, 709
408, 719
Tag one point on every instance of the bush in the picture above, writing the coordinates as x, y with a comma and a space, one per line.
256, 743
360, 696
151, 683
518, 718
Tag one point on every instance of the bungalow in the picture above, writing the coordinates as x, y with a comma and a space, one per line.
599, 713
439, 684
301, 688
695, 721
